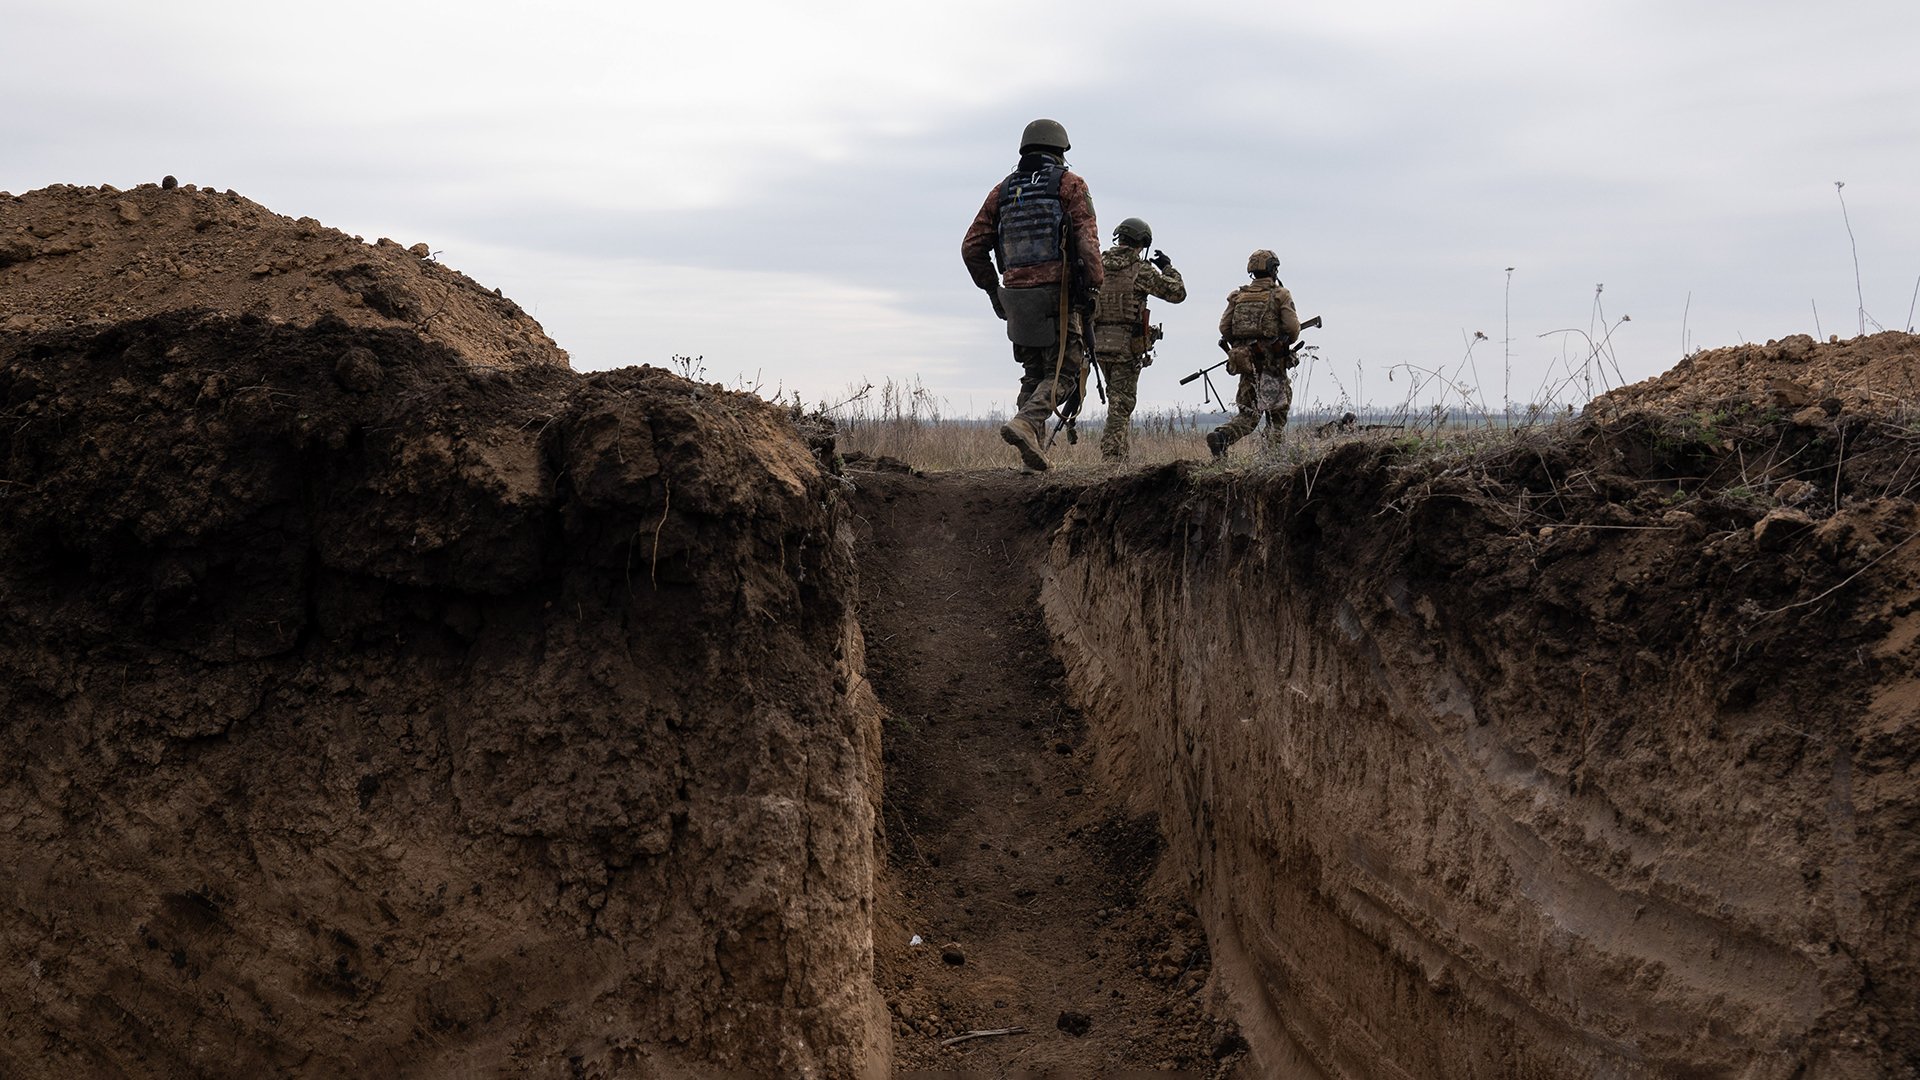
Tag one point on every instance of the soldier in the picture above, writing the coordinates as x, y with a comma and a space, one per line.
1122, 336
1039, 225
1258, 330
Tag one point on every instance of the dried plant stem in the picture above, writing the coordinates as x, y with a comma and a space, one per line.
666, 506
1506, 378
987, 1034
1859, 294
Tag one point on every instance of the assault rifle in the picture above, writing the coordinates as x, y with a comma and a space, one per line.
1213, 394
1068, 410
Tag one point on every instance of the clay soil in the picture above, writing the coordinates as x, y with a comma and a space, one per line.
1592, 752
366, 711
1039, 897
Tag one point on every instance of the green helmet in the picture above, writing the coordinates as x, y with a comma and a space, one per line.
1134, 233
1045, 135
1263, 263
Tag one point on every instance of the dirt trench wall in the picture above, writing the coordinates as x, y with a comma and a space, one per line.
1464, 799
367, 713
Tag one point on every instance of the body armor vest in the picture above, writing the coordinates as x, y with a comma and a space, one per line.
1120, 312
1120, 301
1032, 218
1253, 316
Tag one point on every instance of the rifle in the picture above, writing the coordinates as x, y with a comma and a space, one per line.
1202, 373
1070, 287
1068, 410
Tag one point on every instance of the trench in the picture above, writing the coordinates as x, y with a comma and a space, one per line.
1253, 782
1037, 893
515, 722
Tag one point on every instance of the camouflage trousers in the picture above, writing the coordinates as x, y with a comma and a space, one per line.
1039, 395
1261, 393
1123, 392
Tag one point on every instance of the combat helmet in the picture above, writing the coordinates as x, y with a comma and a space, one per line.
1045, 135
1134, 233
1263, 263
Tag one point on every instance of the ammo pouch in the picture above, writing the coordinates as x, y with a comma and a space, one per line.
1115, 339
1033, 315
1131, 340
1243, 357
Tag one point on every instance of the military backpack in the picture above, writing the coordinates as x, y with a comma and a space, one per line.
1252, 314
1032, 218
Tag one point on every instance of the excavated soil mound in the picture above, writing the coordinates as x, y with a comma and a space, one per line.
86, 256
367, 711
1875, 373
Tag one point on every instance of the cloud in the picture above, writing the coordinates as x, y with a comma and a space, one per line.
629, 171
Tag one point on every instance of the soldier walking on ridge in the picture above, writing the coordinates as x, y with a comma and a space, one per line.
1038, 225
1258, 330
1122, 335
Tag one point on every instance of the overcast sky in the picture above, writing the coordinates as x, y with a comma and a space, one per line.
781, 188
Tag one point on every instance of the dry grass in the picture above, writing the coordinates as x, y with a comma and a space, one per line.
940, 444
906, 422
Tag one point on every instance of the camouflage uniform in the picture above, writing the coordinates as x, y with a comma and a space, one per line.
1261, 364
1041, 390
1120, 339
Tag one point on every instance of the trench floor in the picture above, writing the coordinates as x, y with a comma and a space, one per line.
1038, 899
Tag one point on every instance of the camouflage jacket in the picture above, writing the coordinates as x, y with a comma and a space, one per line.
977, 248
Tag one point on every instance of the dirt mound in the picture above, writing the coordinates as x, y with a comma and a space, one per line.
86, 256
367, 711
1875, 373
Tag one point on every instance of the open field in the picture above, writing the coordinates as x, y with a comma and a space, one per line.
911, 428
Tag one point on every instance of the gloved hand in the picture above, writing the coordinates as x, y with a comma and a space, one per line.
1161, 260
993, 297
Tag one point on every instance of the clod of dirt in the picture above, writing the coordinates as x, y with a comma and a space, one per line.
1228, 1044
1775, 531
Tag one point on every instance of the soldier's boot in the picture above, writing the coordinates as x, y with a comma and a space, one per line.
1019, 433
1217, 444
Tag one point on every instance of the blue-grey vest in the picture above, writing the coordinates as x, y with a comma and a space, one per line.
1032, 218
